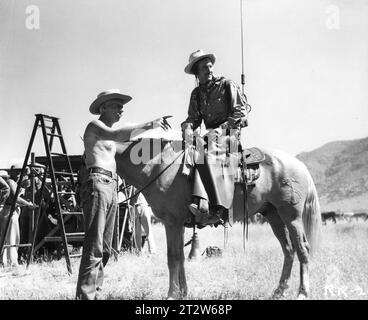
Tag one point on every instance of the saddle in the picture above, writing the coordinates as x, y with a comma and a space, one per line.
226, 183
252, 157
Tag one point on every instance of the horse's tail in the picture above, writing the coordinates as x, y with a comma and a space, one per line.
312, 216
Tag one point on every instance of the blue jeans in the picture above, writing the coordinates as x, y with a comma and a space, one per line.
99, 203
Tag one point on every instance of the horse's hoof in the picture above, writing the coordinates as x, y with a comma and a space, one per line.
279, 293
302, 296
174, 296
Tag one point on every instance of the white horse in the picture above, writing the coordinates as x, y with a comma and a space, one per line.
284, 193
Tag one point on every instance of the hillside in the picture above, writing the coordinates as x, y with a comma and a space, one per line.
340, 172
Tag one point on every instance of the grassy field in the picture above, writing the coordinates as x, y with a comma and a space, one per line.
338, 271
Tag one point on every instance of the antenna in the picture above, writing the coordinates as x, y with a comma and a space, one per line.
242, 46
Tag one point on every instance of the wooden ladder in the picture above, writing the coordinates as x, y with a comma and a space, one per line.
59, 179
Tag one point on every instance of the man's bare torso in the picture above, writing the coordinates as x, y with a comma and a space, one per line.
99, 152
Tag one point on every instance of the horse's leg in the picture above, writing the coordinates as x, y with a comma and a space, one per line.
147, 227
138, 228
281, 232
292, 217
175, 258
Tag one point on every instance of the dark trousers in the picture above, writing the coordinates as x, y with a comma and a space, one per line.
99, 202
215, 172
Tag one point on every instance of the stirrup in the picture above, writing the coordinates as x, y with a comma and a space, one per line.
193, 208
199, 207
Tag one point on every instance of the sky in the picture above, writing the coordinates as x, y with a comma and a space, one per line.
305, 62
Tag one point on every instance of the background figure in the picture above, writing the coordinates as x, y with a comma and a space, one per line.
143, 215
10, 255
26, 217
4, 189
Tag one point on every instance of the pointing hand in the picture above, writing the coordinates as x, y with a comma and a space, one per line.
161, 122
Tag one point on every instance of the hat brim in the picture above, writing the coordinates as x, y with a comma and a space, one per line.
95, 106
188, 68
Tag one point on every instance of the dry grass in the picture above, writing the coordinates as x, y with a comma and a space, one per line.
338, 270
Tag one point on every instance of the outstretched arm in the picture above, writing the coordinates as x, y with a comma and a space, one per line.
123, 134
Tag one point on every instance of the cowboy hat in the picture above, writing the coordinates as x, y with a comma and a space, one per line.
106, 96
195, 57
4, 174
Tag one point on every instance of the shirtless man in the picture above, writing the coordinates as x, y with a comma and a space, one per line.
99, 189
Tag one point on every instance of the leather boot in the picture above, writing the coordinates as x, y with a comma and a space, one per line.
199, 206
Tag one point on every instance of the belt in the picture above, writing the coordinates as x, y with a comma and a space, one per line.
215, 125
102, 171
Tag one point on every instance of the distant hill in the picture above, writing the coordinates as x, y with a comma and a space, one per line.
340, 172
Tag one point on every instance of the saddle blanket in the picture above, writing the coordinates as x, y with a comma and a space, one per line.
251, 174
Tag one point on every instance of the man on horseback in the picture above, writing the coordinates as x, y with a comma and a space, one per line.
219, 103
